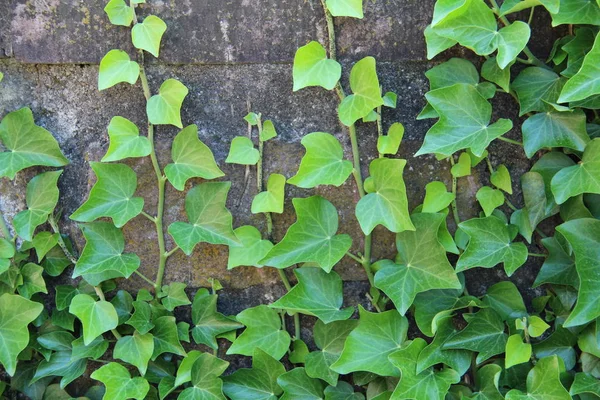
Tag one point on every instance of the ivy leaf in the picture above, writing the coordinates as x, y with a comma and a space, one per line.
96, 317
141, 319
208, 322
242, 152
119, 13
252, 249
173, 295
43, 242
111, 196
512, 39
543, 382
268, 131
317, 293
390, 143
191, 159
210, 221
92, 351
117, 67
561, 343
512, 6
505, 299
490, 199
135, 350
547, 166
166, 338
313, 68
342, 391
366, 92
386, 203
493, 73
119, 383
490, 244
125, 141
458, 360
464, 121
41, 198
165, 107
345, 8
306, 241
517, 352
297, 385
534, 195
204, 377
33, 282
501, 179
102, 257
60, 364
585, 383
263, 331
437, 197
555, 129
580, 12
558, 267
421, 265
431, 305
536, 88
581, 178
462, 167
270, 200
27, 144
147, 35
16, 313
368, 346
323, 163
256, 383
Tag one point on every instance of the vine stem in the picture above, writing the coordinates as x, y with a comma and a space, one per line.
537, 255
454, 185
61, 242
507, 140
100, 294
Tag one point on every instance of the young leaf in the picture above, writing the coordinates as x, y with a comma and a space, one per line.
390, 143
555, 129
268, 131
345, 8
141, 319
386, 203
252, 249
204, 377
437, 197
27, 144
165, 107
96, 317
512, 39
270, 200
323, 163
135, 350
117, 67
33, 282
119, 384
258, 382
191, 159
585, 83
366, 92
313, 68
242, 152
147, 35
43, 242
517, 352
111, 196
210, 221
309, 242
536, 326
581, 178
462, 167
125, 141
173, 295
543, 382
317, 293
490, 199
536, 88
92, 351
166, 338
501, 179
119, 12
208, 322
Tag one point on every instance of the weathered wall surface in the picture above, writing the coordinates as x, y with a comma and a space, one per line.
228, 52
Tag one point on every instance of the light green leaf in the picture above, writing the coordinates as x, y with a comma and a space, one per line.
252, 249
33, 282
490, 244
166, 337
490, 199
313, 68
517, 352
92, 351
119, 384
512, 39
16, 313
111, 196
581, 178
242, 152
119, 12
390, 99
536, 326
366, 92
268, 131
368, 346
165, 107
512, 6
191, 159
173, 295
147, 35
462, 167
135, 350
263, 331
41, 198
317, 293
580, 12
435, 42
208, 323
96, 317
323, 163
345, 8
252, 118
501, 179
390, 143
555, 129
585, 82
102, 257
306, 241
210, 221
386, 202
117, 67
270, 200
437, 197
141, 319
536, 88
585, 383
543, 382
125, 141
27, 144
256, 383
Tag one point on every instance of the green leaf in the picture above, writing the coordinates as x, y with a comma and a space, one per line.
117, 67
345, 8
458, 360
27, 144
390, 143
323, 163
297, 385
256, 383
548, 166
119, 383
263, 331
41, 198
505, 299
517, 352
119, 13
536, 326
268, 131
270, 200
368, 346
342, 391
501, 179
306, 241
242, 152
512, 6
43, 242
166, 338
313, 68
577, 12
428, 384
135, 350
585, 383
208, 322
543, 382
210, 221
111, 196
33, 282
555, 129
57, 340
464, 121
92, 351
191, 159
581, 178
317, 293
55, 262
437, 197
490, 199
537, 87
141, 319
490, 244
125, 141
421, 264
164, 108
512, 39
252, 118
390, 99
252, 249
102, 257
462, 167
299, 352
173, 295
147, 35
534, 195
386, 202
60, 364
435, 42
16, 313
366, 92
96, 317
493, 73
558, 267
561, 343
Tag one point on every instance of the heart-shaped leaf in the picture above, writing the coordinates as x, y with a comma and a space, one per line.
517, 352
313, 68
366, 92
125, 141
501, 179
165, 107
119, 12
270, 200
555, 129
147, 35
268, 131
96, 317
135, 350
119, 383
242, 152
490, 199
390, 143
511, 39
580, 12
117, 67
345, 8
251, 250
543, 382
437, 197
581, 178
493, 73
462, 167
258, 382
